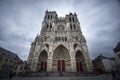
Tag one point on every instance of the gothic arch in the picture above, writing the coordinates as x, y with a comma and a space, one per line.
60, 44
45, 47
42, 61
61, 59
61, 47
79, 49
80, 61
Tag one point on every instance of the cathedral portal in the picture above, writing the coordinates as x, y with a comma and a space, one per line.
61, 59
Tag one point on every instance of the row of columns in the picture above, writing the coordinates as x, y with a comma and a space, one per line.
49, 64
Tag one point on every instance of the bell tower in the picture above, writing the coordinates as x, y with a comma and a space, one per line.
60, 46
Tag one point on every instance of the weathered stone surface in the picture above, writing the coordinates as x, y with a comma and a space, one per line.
60, 45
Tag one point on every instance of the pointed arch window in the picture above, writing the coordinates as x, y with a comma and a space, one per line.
70, 19
50, 26
70, 26
74, 27
73, 19
47, 26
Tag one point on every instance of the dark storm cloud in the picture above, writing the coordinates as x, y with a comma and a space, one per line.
16, 27
20, 21
100, 23
14, 41
2, 32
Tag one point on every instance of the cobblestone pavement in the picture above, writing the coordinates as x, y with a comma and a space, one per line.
100, 77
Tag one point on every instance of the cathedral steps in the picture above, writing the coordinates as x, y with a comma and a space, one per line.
59, 74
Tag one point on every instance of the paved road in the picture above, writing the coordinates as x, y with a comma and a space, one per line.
101, 77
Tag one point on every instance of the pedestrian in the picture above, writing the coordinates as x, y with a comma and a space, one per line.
61, 73
10, 75
114, 75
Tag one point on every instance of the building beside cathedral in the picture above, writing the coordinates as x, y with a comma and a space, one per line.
103, 64
117, 56
60, 46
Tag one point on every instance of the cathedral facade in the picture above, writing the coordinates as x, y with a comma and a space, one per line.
60, 46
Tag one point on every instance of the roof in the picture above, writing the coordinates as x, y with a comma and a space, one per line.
117, 48
102, 57
8, 53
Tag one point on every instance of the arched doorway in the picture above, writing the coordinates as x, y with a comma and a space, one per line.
42, 61
61, 59
79, 61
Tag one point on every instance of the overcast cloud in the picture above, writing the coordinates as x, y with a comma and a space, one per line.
20, 21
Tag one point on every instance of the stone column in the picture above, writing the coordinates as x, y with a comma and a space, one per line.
49, 64
73, 61
88, 65
73, 64
34, 65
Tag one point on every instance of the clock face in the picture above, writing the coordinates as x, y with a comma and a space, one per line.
60, 27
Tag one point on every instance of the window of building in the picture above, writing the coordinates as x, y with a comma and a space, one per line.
70, 19
47, 46
55, 38
47, 26
76, 38
74, 27
73, 19
62, 38
75, 45
51, 16
50, 26
58, 38
70, 26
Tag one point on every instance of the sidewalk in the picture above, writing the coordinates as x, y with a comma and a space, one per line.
100, 77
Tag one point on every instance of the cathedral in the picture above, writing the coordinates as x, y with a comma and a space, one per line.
60, 46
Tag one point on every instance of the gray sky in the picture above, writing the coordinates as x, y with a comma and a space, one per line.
20, 21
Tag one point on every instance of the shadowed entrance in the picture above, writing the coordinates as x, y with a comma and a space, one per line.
80, 65
61, 59
42, 61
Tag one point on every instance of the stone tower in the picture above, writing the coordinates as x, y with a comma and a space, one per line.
60, 45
